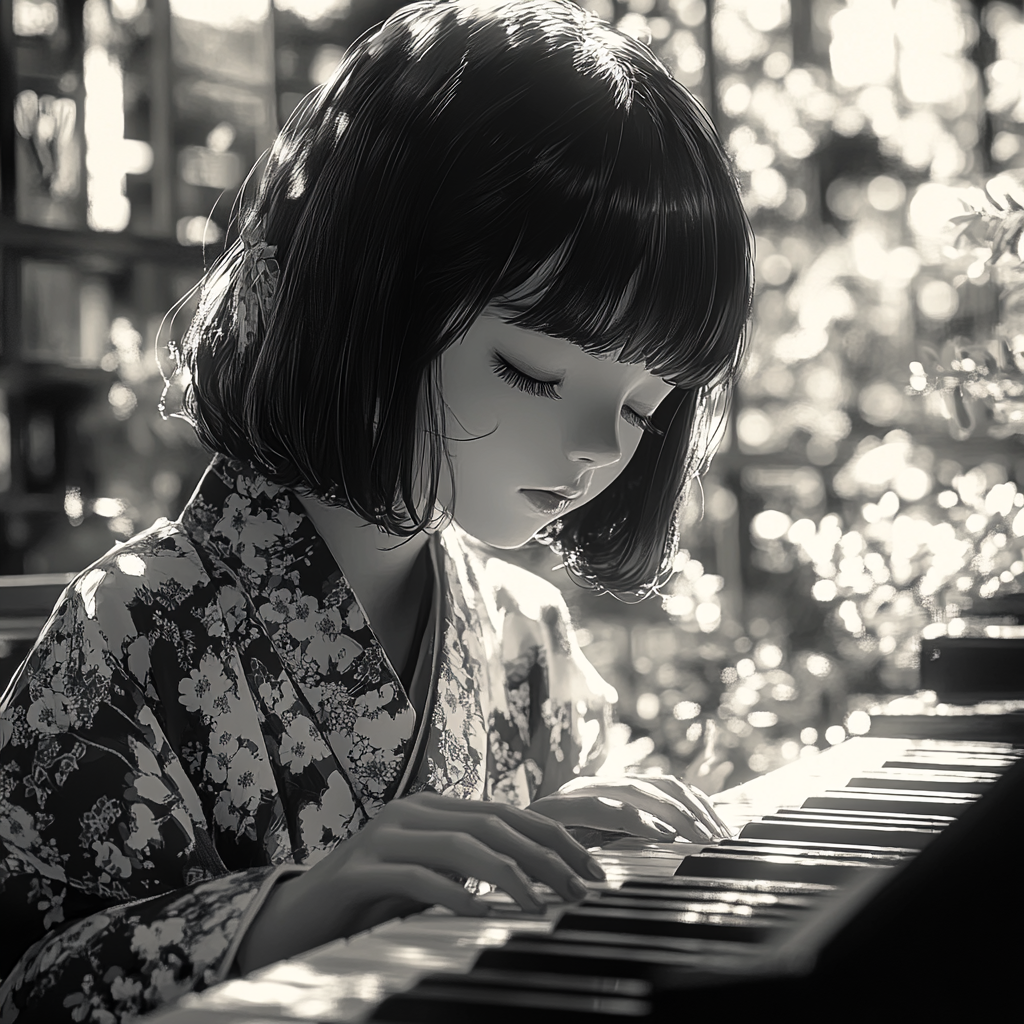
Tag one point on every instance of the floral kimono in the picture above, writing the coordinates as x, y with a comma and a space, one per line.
207, 709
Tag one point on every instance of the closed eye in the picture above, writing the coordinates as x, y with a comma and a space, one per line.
643, 422
515, 377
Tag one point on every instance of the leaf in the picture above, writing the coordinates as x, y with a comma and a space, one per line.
1005, 238
992, 199
976, 226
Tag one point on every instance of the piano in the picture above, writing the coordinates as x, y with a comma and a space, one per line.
881, 876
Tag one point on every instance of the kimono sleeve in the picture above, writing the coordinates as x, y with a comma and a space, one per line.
560, 709
581, 703
113, 897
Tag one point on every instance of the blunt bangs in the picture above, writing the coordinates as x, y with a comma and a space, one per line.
618, 225
518, 154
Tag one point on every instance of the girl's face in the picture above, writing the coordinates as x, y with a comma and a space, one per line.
528, 416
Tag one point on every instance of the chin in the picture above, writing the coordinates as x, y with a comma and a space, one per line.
498, 532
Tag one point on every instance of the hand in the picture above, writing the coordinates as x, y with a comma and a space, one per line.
712, 768
657, 807
397, 865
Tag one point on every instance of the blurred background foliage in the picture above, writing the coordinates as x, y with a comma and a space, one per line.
868, 490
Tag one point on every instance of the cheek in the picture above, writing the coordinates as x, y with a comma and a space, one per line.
604, 477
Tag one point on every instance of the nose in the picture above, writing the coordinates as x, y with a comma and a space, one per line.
595, 445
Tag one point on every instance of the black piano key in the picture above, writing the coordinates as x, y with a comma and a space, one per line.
863, 835
681, 905
967, 746
968, 784
958, 753
554, 954
626, 956
854, 817
778, 869
631, 945
635, 892
871, 801
739, 886
835, 852
558, 981
445, 1001
691, 924
996, 764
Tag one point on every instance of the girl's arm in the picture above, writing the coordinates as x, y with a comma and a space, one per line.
113, 897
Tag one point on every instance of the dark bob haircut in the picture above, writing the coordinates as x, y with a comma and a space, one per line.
519, 154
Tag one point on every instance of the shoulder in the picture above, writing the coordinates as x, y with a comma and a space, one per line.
92, 649
162, 560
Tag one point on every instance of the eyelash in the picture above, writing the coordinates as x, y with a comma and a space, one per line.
546, 389
643, 422
517, 379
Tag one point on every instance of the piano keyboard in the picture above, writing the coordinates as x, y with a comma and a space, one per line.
817, 841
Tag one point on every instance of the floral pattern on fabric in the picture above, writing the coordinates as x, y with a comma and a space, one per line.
208, 701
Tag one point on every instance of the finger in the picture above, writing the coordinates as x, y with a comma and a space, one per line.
431, 811
688, 795
536, 860
615, 802
461, 852
386, 890
716, 774
613, 815
694, 797
671, 802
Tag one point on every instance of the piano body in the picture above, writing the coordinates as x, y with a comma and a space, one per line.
881, 876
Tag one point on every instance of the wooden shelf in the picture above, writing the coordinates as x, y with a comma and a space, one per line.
100, 246
26, 378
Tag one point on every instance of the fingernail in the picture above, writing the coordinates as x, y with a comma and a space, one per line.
577, 887
595, 870
703, 830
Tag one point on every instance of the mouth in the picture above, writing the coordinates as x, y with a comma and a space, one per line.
550, 502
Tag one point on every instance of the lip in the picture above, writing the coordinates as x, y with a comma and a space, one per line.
550, 501
569, 493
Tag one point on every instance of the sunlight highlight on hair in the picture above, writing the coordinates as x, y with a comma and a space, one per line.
598, 58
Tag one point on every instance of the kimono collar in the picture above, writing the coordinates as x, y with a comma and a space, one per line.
260, 532
258, 529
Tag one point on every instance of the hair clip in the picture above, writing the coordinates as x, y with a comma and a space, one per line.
257, 283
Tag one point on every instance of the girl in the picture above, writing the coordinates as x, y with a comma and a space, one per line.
495, 272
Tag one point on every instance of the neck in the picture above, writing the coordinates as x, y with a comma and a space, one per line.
376, 565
